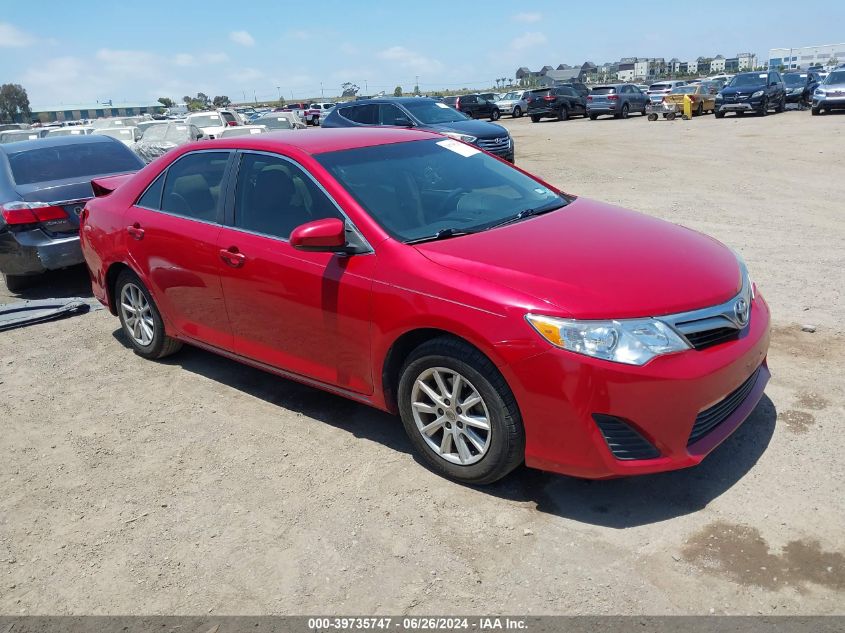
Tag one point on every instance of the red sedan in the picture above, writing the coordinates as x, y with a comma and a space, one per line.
504, 320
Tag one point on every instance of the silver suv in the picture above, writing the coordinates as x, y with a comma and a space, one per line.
514, 103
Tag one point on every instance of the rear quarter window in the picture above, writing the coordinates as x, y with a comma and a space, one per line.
80, 160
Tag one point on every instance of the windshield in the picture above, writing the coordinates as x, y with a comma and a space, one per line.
511, 96
660, 87
795, 80
82, 161
603, 90
433, 112
120, 133
206, 120
18, 135
684, 90
274, 123
416, 189
837, 77
749, 79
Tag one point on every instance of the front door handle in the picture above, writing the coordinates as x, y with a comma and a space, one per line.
135, 231
232, 257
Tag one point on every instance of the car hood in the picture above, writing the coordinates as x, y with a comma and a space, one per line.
596, 261
480, 129
833, 87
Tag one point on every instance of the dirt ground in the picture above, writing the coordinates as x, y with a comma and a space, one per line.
198, 485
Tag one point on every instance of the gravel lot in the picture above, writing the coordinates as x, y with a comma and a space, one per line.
199, 485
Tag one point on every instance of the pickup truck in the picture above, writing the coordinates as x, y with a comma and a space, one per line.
304, 111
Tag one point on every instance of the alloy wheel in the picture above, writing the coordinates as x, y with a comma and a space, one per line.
451, 416
137, 314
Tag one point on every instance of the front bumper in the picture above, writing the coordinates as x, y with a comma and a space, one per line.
505, 109
33, 252
559, 392
828, 101
747, 105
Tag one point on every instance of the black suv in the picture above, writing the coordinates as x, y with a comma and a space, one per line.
477, 107
559, 102
426, 114
752, 92
800, 86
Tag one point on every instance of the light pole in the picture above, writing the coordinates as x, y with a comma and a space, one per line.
366, 87
279, 88
322, 96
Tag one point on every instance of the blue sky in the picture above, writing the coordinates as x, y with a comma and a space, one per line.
142, 50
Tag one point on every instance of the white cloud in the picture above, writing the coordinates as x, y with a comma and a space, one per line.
215, 58
246, 75
12, 37
527, 40
528, 17
411, 60
184, 59
242, 37
301, 35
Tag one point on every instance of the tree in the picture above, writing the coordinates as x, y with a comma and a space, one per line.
221, 101
349, 89
397, 91
416, 91
14, 103
202, 98
834, 62
167, 102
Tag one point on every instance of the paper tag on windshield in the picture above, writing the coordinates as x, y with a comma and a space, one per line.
458, 148
441, 105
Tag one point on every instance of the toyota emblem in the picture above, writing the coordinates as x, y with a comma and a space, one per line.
741, 311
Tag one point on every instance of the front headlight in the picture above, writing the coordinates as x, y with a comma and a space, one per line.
759, 93
719, 97
628, 341
819, 92
466, 138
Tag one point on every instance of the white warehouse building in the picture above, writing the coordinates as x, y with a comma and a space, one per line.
806, 56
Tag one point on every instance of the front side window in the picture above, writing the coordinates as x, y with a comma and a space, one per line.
416, 189
274, 196
193, 186
389, 114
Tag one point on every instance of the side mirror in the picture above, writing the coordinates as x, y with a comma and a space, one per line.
324, 236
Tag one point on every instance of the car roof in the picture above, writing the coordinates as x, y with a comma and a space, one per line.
55, 141
326, 140
394, 100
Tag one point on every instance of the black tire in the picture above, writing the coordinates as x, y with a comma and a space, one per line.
563, 113
643, 111
653, 116
625, 111
719, 115
815, 111
764, 108
161, 345
593, 117
469, 114
506, 448
495, 114
535, 118
700, 110
16, 283
781, 106
517, 112
670, 116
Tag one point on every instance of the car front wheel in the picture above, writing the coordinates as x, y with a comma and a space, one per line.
459, 412
517, 112
141, 320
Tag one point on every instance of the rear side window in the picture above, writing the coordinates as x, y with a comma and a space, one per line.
192, 187
274, 196
365, 114
228, 116
81, 160
151, 198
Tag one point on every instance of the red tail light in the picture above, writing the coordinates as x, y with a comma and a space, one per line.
232, 123
549, 98
458, 103
589, 97
30, 212
692, 98
612, 97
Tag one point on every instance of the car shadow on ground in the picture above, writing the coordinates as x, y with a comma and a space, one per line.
616, 503
633, 501
54, 284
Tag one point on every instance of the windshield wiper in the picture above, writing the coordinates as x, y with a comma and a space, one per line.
527, 213
442, 234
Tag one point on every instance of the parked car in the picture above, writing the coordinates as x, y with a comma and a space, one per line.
427, 114
478, 107
323, 110
44, 185
830, 94
580, 87
279, 121
77, 130
14, 126
451, 101
752, 92
800, 87
243, 130
143, 125
209, 123
513, 103
618, 100
703, 97
127, 135
301, 110
501, 318
657, 91
559, 102
14, 136
160, 139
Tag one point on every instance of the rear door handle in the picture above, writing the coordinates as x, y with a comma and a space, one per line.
135, 231
232, 257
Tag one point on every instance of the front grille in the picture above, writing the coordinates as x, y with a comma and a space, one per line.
709, 338
623, 440
710, 418
500, 145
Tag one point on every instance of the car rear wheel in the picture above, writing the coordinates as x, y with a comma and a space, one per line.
517, 112
700, 110
459, 412
593, 117
563, 114
625, 111
16, 283
141, 320
494, 116
535, 118
719, 115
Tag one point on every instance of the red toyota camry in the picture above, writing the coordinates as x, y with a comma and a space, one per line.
504, 320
